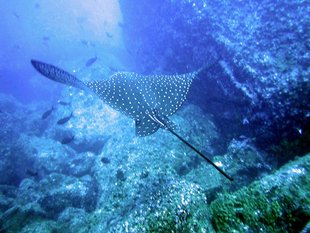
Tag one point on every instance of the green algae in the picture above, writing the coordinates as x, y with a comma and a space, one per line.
277, 203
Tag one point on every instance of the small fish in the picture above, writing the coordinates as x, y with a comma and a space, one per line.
46, 38
16, 15
121, 25
109, 35
91, 61
65, 119
299, 130
105, 160
47, 113
85, 42
120, 175
67, 140
63, 103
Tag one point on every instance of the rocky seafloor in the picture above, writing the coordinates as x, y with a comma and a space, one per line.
108, 180
249, 113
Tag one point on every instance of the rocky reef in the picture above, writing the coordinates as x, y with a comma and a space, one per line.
127, 184
77, 166
276, 203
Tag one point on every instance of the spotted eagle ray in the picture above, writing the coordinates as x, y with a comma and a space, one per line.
148, 99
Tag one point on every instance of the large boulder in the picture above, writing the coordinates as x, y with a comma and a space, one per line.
276, 203
162, 205
57, 192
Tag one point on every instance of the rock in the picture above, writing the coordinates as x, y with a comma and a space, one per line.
38, 203
7, 197
6, 203
43, 226
276, 203
245, 162
73, 220
59, 192
15, 218
178, 206
10, 119
16, 159
28, 192
142, 171
50, 156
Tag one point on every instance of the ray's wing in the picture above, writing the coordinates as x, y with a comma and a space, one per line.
134, 94
121, 91
166, 93
146, 126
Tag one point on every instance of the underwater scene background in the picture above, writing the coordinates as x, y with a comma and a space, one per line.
72, 163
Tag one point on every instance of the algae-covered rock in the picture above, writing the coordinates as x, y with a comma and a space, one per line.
39, 157
279, 202
245, 162
59, 192
176, 206
182, 208
73, 220
43, 226
17, 217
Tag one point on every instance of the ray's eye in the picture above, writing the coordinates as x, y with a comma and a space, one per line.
138, 122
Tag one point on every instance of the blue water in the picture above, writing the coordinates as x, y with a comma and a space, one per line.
248, 111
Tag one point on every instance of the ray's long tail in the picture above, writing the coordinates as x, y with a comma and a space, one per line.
200, 154
58, 75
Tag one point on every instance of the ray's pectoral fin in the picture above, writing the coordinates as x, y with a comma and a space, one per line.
146, 126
